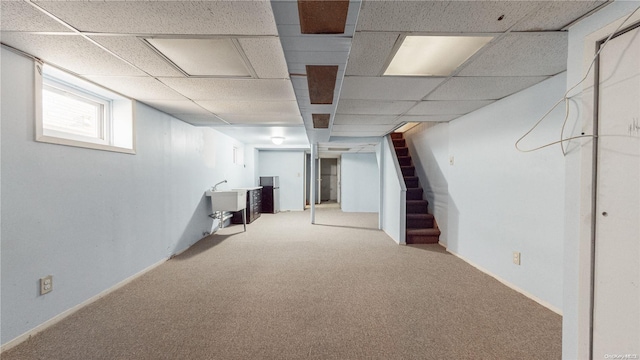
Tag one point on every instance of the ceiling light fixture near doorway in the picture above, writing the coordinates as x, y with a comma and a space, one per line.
202, 57
434, 55
278, 140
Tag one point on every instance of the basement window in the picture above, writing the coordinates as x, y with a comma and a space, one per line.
74, 112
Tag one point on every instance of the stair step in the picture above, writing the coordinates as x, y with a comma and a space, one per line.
396, 135
411, 181
423, 236
417, 206
420, 221
414, 193
402, 151
408, 170
404, 160
399, 143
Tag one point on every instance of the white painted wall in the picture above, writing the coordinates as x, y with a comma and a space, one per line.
360, 183
289, 166
93, 218
393, 217
578, 169
501, 200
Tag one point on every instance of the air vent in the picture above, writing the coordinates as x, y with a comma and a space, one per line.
321, 121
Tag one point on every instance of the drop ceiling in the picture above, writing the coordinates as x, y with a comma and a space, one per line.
105, 43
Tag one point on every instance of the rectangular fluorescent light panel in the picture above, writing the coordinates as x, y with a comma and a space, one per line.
203, 57
434, 55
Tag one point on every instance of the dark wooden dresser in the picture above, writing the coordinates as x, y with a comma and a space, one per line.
254, 205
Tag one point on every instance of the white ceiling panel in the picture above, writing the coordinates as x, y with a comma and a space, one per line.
232, 89
341, 119
372, 107
57, 50
316, 57
178, 107
20, 16
447, 107
259, 135
356, 134
200, 120
530, 54
167, 17
427, 118
266, 108
141, 88
554, 15
312, 43
388, 88
482, 88
369, 53
360, 128
266, 56
262, 119
442, 16
136, 52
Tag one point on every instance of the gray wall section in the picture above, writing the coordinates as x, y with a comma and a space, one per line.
94, 218
289, 166
360, 179
495, 200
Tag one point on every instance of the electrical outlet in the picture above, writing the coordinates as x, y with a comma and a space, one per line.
516, 258
46, 284
451, 160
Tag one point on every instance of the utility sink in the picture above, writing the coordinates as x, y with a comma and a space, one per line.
227, 200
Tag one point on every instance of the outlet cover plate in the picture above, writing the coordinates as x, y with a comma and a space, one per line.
46, 284
516, 257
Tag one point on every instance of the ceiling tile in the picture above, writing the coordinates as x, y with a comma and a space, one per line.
323, 17
311, 43
522, 54
136, 52
361, 128
266, 56
365, 119
20, 16
554, 15
176, 107
388, 88
482, 88
369, 53
232, 89
316, 57
167, 17
141, 88
424, 118
442, 16
268, 119
200, 120
56, 50
447, 107
372, 107
264, 108
357, 134
321, 82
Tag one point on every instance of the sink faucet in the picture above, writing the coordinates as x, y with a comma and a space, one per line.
216, 185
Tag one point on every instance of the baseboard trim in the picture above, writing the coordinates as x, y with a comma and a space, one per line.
56, 319
506, 283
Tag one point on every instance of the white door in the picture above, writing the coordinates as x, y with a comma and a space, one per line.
616, 313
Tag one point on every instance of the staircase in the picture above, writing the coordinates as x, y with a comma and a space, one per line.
421, 226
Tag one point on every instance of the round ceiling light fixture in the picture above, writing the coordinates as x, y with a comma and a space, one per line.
278, 140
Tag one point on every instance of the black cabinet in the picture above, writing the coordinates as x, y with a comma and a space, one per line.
254, 205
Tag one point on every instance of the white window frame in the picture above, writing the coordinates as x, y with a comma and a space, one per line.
117, 123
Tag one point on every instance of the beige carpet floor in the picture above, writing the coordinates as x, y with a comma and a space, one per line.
286, 289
